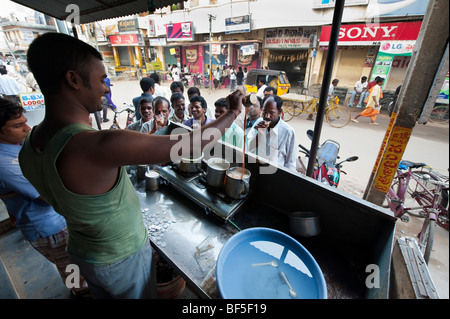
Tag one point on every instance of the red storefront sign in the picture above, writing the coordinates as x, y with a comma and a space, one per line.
126, 40
372, 34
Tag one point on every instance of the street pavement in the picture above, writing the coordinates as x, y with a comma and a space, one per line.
429, 144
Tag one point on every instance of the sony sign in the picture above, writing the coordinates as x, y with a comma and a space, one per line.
357, 32
372, 34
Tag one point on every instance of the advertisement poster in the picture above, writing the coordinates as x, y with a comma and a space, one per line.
443, 94
180, 31
193, 58
250, 61
217, 60
34, 105
382, 66
388, 50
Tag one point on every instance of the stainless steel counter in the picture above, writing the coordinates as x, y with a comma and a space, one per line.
177, 226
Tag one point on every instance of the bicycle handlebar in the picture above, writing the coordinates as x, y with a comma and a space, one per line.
125, 110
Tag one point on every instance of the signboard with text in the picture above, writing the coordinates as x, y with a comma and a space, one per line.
128, 25
237, 24
288, 38
372, 34
34, 106
126, 40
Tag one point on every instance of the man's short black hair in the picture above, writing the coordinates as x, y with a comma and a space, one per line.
9, 111
155, 77
144, 100
52, 54
176, 96
193, 90
221, 102
177, 84
146, 84
198, 98
271, 88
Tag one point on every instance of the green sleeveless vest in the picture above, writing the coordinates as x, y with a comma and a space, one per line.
102, 228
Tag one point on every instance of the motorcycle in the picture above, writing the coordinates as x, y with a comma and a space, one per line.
326, 170
185, 79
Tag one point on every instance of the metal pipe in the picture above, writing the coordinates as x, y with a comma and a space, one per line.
337, 17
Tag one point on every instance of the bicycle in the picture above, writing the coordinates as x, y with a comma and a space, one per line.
429, 192
335, 114
439, 114
129, 120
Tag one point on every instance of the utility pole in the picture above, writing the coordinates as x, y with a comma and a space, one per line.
429, 52
211, 17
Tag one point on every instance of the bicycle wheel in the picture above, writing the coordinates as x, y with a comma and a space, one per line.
288, 110
439, 114
338, 116
417, 200
426, 238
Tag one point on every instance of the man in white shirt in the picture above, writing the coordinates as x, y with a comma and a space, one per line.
262, 87
9, 88
360, 88
273, 138
160, 90
333, 84
175, 73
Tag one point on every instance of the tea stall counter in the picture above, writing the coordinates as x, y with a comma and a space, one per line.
343, 250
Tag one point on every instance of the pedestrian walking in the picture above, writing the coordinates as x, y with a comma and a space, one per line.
373, 103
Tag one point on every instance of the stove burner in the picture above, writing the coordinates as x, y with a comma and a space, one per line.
195, 187
175, 168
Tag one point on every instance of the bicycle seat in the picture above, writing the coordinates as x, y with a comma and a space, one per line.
412, 164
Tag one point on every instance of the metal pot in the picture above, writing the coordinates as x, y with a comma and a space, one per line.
215, 171
304, 224
190, 165
235, 186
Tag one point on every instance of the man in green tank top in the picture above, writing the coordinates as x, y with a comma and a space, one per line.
80, 171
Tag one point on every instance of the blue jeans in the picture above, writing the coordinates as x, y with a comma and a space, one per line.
362, 98
129, 278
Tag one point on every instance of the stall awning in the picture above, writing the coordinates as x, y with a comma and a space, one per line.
93, 10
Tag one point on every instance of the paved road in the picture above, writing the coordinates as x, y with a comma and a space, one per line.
429, 143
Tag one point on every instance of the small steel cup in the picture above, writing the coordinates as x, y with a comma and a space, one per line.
152, 179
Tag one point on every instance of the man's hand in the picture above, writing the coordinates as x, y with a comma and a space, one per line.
234, 101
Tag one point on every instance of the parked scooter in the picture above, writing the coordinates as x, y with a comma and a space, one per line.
185, 79
326, 170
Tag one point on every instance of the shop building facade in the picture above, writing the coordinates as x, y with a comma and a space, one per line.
370, 50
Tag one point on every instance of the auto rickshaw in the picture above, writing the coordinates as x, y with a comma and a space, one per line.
274, 78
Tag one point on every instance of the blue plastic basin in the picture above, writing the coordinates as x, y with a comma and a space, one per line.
240, 274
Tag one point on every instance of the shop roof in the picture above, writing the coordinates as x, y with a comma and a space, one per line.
93, 10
